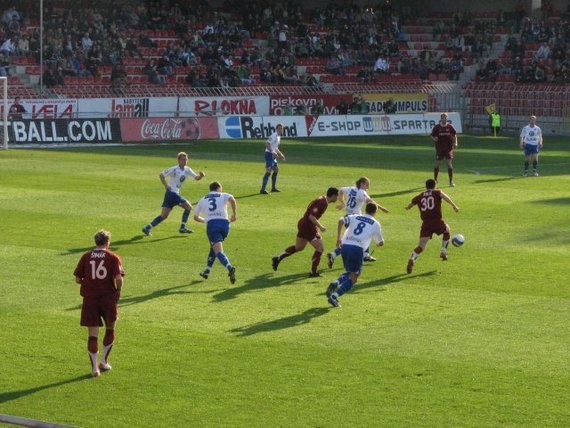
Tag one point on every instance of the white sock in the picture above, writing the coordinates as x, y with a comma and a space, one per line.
93, 356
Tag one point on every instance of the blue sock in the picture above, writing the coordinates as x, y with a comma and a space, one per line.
265, 180
526, 166
224, 260
344, 287
343, 277
337, 251
273, 180
211, 259
156, 221
185, 216
535, 165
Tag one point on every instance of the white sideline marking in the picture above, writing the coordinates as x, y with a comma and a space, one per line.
30, 422
474, 171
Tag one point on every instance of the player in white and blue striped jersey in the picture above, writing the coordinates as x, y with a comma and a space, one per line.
272, 152
353, 198
531, 141
172, 179
360, 230
212, 209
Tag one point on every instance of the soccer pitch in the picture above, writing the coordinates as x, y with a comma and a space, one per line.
482, 339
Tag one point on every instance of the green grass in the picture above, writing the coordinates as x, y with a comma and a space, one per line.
481, 340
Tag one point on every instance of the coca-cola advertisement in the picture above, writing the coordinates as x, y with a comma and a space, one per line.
169, 129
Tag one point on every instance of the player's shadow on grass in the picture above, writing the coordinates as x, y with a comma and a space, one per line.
494, 180
260, 282
398, 193
115, 245
155, 294
381, 282
553, 201
250, 196
281, 323
14, 395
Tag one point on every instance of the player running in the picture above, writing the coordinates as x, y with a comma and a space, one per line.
531, 141
272, 152
445, 138
356, 196
214, 209
360, 230
308, 229
176, 175
429, 204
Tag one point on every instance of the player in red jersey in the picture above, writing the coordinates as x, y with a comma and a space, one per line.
308, 229
429, 204
445, 138
100, 273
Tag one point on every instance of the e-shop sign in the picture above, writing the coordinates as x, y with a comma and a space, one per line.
65, 131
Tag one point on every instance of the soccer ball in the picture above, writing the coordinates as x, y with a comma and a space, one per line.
457, 240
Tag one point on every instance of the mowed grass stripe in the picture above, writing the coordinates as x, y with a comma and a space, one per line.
480, 340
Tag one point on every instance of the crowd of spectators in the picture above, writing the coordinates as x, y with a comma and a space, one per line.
217, 49
538, 52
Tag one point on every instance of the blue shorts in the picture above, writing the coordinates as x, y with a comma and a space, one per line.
352, 256
217, 230
171, 199
530, 149
270, 161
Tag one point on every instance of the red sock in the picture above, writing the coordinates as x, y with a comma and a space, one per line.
450, 173
109, 337
435, 173
92, 344
418, 250
316, 260
288, 251
108, 344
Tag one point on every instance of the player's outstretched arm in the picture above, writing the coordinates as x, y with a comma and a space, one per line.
410, 205
316, 222
164, 182
341, 202
280, 154
200, 175
339, 230
449, 201
233, 204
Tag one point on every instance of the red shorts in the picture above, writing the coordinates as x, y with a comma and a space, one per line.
430, 227
97, 309
306, 231
444, 154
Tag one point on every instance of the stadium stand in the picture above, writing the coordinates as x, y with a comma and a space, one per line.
188, 48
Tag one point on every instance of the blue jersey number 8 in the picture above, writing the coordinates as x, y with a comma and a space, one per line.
360, 228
